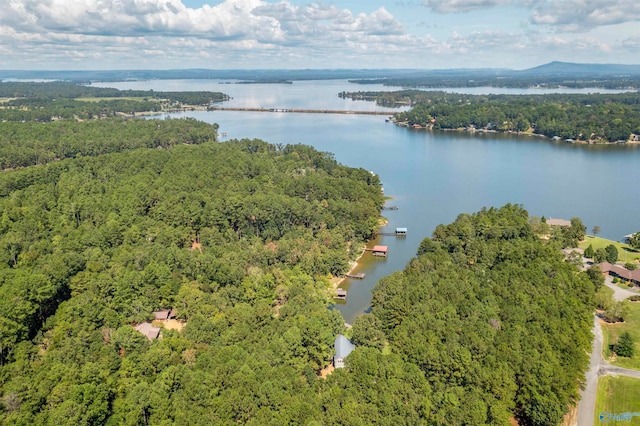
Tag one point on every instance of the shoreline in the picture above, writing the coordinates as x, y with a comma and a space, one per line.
336, 281
513, 132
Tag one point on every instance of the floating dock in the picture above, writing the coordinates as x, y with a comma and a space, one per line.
359, 276
400, 232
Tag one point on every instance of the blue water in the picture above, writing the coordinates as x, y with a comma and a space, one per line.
434, 176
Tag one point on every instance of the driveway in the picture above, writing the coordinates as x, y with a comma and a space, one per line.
598, 366
619, 293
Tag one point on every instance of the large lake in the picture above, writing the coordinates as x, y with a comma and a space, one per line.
432, 176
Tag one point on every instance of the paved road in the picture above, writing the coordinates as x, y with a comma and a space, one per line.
587, 404
598, 366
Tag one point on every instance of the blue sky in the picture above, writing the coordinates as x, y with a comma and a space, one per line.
295, 34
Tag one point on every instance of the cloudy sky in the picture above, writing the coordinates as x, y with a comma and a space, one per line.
428, 34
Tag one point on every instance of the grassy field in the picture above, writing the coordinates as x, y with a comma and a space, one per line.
610, 333
617, 394
625, 252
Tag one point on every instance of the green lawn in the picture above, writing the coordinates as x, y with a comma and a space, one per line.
611, 332
617, 394
625, 252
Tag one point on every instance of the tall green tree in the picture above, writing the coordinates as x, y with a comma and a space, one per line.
612, 253
634, 241
589, 252
625, 345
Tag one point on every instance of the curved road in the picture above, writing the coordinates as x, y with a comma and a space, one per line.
598, 366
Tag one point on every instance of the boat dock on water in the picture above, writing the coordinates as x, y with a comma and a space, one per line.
358, 276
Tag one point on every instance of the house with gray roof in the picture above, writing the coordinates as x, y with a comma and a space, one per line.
343, 348
149, 331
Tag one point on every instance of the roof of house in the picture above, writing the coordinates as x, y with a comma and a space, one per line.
343, 346
148, 330
558, 222
381, 248
401, 230
620, 271
162, 314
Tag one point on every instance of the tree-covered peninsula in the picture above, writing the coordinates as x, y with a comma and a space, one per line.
592, 118
239, 237
43, 102
494, 318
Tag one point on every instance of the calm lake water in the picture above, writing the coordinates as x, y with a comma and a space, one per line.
432, 176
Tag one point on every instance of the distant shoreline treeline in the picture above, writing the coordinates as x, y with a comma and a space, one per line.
595, 118
32, 101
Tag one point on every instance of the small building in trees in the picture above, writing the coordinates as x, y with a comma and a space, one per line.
381, 251
149, 331
558, 222
343, 348
165, 314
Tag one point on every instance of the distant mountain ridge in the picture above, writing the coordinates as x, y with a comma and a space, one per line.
552, 69
557, 68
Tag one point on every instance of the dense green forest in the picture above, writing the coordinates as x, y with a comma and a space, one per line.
487, 323
493, 316
239, 236
41, 102
588, 117
30, 143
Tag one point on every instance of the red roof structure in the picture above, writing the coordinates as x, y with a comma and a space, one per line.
380, 251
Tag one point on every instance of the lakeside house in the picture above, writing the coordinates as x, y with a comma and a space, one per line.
343, 348
401, 232
558, 222
620, 272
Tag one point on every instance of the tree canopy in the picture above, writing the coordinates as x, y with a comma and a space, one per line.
584, 117
498, 323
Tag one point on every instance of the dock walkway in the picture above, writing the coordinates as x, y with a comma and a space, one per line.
358, 276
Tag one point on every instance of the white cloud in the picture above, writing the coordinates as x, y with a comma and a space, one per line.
455, 6
167, 29
141, 17
582, 15
287, 34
